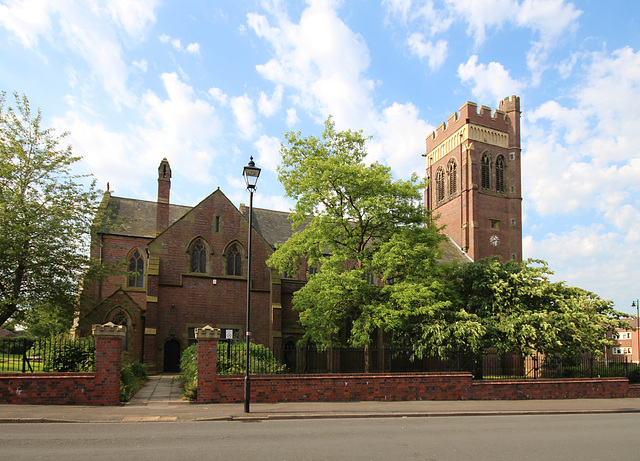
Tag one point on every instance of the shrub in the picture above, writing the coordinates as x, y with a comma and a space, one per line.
132, 376
65, 355
189, 372
634, 376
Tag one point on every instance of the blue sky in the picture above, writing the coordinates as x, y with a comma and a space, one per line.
207, 84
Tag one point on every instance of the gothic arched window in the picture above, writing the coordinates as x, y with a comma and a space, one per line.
199, 257
486, 171
439, 185
452, 175
500, 167
136, 270
234, 261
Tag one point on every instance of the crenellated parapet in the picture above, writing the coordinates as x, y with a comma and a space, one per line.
487, 125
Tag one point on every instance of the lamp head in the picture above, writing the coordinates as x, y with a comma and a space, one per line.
251, 173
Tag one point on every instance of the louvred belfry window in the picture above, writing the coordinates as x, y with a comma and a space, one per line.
452, 173
500, 167
440, 185
486, 171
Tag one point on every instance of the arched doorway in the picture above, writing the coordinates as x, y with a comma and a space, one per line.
171, 356
290, 356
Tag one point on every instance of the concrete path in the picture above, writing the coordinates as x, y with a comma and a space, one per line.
163, 389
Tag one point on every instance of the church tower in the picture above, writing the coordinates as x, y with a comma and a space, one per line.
474, 188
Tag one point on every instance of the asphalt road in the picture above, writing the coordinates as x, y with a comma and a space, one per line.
537, 437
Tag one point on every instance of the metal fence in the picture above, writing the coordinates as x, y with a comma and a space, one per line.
46, 355
306, 360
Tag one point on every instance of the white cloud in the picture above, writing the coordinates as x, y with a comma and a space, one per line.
135, 17
176, 44
141, 64
181, 127
269, 150
549, 20
400, 139
219, 96
242, 107
436, 53
292, 117
27, 19
94, 31
268, 106
320, 59
193, 48
490, 82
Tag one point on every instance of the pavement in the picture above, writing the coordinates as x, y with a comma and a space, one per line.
160, 400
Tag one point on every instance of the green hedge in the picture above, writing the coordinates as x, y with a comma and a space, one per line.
132, 376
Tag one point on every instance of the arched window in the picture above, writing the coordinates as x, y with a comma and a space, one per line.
234, 261
500, 167
486, 171
199, 257
440, 185
452, 175
136, 270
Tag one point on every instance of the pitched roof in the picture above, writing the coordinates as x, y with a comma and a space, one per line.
274, 226
138, 216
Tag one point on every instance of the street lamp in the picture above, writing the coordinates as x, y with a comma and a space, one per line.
636, 304
250, 173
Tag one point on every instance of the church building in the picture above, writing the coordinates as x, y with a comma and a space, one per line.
186, 267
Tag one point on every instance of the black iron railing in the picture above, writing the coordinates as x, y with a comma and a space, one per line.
309, 359
45, 355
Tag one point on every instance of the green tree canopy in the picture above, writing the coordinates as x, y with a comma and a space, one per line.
356, 225
46, 213
511, 306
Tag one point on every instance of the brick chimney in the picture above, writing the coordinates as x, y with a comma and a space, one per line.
164, 189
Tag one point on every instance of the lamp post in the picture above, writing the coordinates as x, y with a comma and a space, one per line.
250, 173
636, 304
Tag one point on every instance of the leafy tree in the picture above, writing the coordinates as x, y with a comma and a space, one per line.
511, 306
522, 310
46, 213
356, 225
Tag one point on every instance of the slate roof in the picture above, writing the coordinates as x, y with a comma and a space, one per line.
139, 216
274, 226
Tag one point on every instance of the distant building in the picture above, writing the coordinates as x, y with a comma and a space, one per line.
627, 344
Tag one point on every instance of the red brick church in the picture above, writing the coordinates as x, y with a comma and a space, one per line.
186, 267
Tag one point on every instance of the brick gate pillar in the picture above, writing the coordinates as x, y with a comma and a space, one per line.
108, 362
207, 362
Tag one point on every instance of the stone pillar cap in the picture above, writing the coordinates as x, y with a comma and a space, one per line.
108, 329
207, 332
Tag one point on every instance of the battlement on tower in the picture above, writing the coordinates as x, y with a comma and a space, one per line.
469, 113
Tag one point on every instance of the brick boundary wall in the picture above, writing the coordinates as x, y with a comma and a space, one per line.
100, 388
561, 388
390, 387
